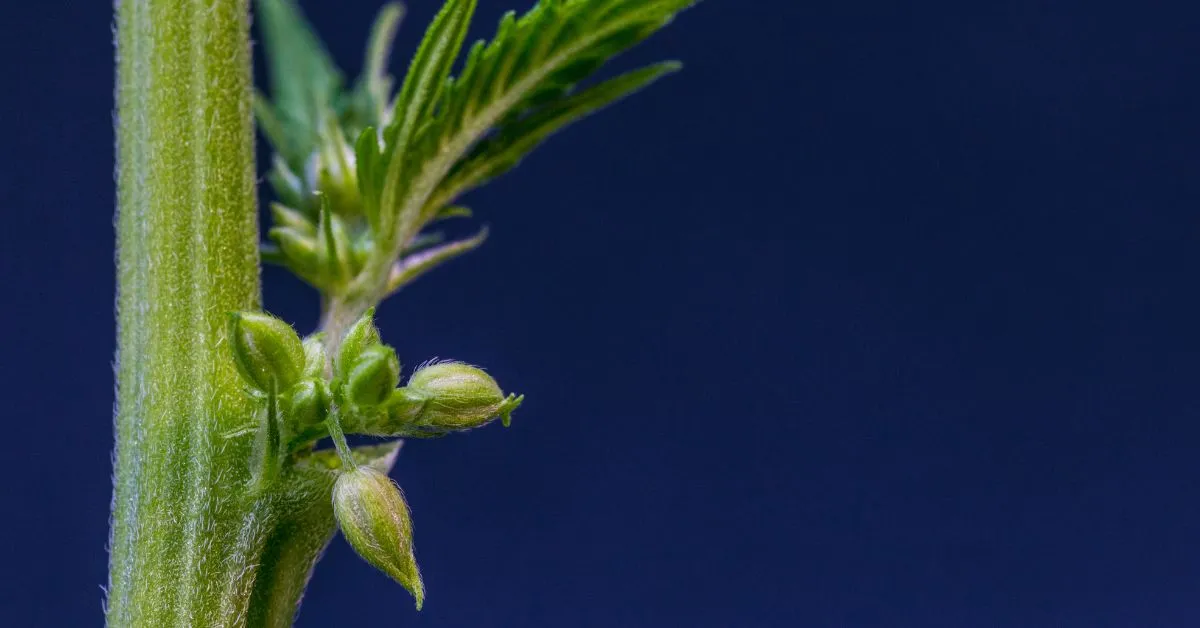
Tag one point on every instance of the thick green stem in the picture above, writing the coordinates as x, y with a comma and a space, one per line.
184, 524
194, 541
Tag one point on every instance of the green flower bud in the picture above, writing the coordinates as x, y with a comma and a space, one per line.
333, 248
299, 249
374, 518
336, 175
265, 349
460, 397
361, 335
308, 403
284, 216
374, 376
288, 187
315, 356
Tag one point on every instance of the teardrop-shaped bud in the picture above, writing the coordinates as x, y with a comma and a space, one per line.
374, 518
284, 216
334, 245
287, 185
361, 335
308, 403
265, 349
374, 376
337, 175
460, 396
315, 356
299, 249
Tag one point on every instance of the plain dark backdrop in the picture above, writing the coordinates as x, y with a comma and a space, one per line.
880, 314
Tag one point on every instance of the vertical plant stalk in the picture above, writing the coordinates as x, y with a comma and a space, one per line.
183, 523
195, 540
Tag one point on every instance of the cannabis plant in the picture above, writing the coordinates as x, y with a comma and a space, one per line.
223, 499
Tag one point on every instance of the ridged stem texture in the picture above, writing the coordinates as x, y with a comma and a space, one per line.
195, 541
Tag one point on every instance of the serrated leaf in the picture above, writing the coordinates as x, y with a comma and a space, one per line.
367, 159
375, 84
422, 88
531, 65
304, 80
424, 240
453, 211
504, 150
407, 270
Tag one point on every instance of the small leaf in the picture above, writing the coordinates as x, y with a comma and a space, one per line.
412, 267
304, 80
424, 241
421, 91
452, 211
504, 151
375, 82
367, 156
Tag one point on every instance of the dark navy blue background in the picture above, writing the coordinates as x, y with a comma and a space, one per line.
880, 314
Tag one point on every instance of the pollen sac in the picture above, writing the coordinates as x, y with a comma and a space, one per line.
362, 334
459, 397
331, 170
374, 518
373, 377
308, 403
267, 351
315, 356
299, 251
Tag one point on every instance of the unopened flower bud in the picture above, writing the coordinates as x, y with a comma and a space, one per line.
265, 349
361, 335
374, 376
298, 248
331, 171
460, 396
315, 356
308, 403
374, 518
333, 247
288, 187
284, 216
336, 175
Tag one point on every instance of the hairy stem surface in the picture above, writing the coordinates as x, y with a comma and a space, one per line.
188, 533
210, 525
